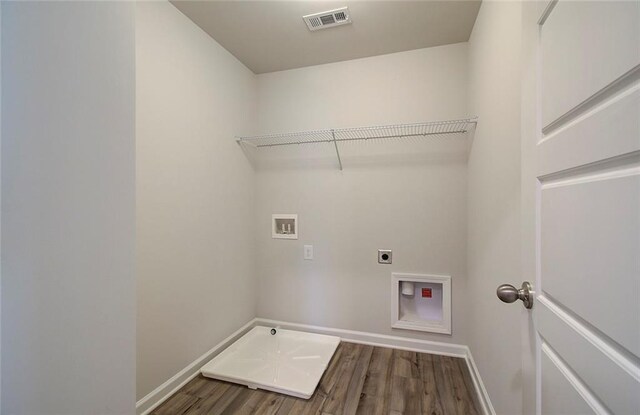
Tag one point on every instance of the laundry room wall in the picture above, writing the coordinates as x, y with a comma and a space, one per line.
494, 200
408, 196
68, 208
194, 194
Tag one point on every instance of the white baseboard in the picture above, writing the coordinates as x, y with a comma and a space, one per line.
483, 395
150, 402
147, 404
373, 339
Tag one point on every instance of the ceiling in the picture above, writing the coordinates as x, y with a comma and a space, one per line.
271, 36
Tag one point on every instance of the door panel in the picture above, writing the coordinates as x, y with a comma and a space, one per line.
559, 396
603, 132
581, 206
584, 47
589, 255
610, 374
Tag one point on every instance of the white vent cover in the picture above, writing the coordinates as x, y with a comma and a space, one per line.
328, 19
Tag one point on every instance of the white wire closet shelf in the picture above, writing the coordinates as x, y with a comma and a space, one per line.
343, 135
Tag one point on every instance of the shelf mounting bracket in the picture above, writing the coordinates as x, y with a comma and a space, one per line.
335, 143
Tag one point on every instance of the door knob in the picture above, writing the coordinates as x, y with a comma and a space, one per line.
509, 294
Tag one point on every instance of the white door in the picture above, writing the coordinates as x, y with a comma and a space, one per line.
581, 206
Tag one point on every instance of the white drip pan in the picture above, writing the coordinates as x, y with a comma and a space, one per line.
289, 362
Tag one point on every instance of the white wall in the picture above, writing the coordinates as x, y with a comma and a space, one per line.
194, 194
68, 208
413, 203
0, 206
494, 200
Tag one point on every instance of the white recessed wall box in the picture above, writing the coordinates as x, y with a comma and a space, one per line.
421, 302
284, 226
325, 20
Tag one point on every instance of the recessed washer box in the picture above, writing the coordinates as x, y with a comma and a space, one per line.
421, 302
288, 362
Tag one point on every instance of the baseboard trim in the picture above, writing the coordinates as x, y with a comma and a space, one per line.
483, 395
160, 394
373, 339
147, 404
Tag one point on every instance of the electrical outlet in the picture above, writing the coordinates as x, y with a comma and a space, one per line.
384, 256
308, 252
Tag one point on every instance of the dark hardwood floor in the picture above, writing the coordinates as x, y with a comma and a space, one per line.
360, 379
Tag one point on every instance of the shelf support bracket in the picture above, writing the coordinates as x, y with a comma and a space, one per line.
335, 143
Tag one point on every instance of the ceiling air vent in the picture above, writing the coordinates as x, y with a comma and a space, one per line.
328, 19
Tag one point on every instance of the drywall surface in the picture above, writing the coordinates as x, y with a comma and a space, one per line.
0, 207
494, 200
407, 197
194, 194
68, 208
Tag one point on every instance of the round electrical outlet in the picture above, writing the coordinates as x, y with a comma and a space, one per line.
384, 256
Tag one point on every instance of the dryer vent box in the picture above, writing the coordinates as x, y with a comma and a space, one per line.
325, 20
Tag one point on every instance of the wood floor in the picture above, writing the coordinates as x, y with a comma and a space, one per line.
360, 379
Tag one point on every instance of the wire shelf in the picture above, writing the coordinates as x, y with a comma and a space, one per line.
341, 135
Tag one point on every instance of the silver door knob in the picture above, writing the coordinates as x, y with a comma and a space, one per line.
509, 294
